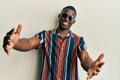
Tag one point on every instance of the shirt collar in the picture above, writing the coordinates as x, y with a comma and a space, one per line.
55, 32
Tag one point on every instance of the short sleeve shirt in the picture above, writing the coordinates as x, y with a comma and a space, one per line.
60, 61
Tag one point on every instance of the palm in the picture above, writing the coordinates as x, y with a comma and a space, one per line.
11, 39
95, 67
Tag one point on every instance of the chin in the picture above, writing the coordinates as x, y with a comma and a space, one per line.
64, 27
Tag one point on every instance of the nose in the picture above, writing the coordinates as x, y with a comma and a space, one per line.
67, 18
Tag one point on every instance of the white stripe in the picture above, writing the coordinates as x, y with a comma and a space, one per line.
66, 58
43, 68
49, 74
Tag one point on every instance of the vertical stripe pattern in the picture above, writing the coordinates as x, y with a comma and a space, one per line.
60, 62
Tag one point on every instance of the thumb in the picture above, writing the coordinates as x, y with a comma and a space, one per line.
100, 57
19, 28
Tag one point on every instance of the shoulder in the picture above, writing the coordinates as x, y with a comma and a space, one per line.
46, 32
77, 36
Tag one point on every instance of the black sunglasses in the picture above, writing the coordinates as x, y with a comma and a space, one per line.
71, 18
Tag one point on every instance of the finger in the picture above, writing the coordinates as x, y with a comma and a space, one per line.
98, 69
19, 28
11, 31
95, 73
10, 46
87, 78
90, 74
101, 64
7, 51
100, 57
5, 41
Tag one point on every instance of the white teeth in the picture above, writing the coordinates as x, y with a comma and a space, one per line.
65, 23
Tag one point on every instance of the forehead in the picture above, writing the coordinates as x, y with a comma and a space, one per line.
69, 11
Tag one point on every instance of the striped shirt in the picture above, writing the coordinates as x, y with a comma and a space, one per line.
60, 60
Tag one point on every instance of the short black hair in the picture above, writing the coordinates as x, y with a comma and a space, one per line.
70, 7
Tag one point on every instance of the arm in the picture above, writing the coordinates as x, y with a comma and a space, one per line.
12, 40
92, 67
85, 59
26, 44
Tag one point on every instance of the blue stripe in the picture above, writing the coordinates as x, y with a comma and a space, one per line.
82, 44
69, 64
41, 36
53, 57
66, 59
49, 58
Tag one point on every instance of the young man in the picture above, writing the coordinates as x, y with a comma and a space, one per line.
61, 48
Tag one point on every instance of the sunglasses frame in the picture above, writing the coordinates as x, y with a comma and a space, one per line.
71, 18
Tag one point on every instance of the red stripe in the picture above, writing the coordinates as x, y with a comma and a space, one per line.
47, 44
57, 57
45, 71
47, 54
62, 62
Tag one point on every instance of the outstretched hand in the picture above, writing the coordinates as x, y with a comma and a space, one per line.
11, 39
95, 67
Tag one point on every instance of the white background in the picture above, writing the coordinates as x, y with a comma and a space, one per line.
98, 21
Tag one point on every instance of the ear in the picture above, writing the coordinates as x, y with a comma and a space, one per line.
59, 15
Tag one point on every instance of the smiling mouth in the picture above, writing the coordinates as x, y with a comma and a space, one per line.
65, 23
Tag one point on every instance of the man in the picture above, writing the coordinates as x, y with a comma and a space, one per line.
61, 48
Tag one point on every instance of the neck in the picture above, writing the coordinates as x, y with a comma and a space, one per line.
63, 33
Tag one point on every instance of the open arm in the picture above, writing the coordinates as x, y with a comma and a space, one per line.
85, 59
92, 67
12, 40
26, 44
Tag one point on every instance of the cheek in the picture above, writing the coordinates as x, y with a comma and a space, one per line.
70, 23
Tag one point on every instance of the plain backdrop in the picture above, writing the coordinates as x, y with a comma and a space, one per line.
98, 21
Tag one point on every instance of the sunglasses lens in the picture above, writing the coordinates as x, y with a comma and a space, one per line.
71, 18
64, 15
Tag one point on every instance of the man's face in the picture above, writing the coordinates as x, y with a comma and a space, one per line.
66, 19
